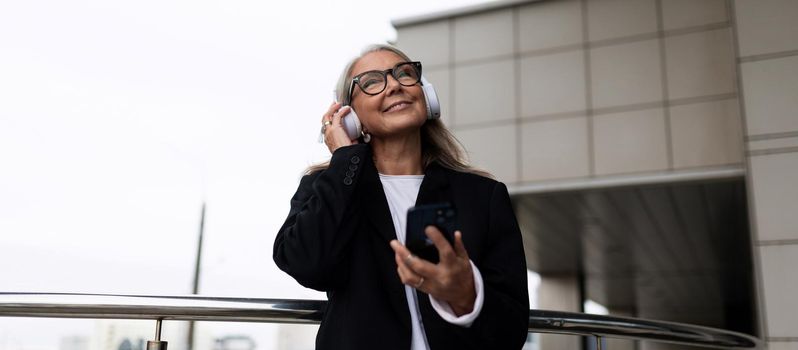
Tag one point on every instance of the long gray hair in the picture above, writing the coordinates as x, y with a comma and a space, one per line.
438, 144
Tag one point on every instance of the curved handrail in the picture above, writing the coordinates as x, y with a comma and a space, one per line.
200, 308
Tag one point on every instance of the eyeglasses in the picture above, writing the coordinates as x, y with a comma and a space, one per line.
374, 82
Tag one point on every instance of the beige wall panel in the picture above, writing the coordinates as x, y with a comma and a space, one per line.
554, 149
427, 42
700, 64
626, 74
484, 92
678, 14
483, 35
775, 195
609, 19
766, 26
492, 149
706, 134
439, 78
778, 345
771, 95
553, 83
630, 142
779, 282
550, 24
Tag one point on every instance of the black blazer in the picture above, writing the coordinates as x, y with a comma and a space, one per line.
336, 236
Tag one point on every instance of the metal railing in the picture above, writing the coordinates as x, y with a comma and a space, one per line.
199, 308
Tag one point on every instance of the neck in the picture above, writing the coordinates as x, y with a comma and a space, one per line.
398, 155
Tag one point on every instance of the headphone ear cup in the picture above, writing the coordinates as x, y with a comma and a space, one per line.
433, 104
352, 124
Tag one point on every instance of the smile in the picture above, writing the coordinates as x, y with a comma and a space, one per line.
397, 106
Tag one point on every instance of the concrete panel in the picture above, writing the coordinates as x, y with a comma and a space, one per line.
550, 24
554, 149
553, 84
787, 345
677, 14
626, 74
766, 26
775, 195
779, 280
630, 142
706, 134
609, 19
492, 149
427, 42
483, 35
700, 64
484, 92
771, 95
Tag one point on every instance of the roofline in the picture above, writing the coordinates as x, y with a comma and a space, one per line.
455, 12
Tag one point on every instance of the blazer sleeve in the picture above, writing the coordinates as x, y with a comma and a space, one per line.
504, 320
312, 243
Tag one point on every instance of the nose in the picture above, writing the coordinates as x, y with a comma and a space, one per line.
391, 84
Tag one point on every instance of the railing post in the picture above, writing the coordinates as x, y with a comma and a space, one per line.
598, 342
157, 344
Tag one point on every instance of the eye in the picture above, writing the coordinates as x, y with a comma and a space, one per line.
406, 74
370, 82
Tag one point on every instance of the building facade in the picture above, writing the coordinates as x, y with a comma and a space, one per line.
651, 148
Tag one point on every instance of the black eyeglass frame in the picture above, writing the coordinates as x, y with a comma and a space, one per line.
356, 79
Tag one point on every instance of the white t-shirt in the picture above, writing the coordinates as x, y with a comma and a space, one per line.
401, 192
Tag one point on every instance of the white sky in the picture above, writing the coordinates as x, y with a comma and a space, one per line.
118, 118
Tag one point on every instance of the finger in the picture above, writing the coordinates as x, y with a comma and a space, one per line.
408, 277
459, 247
330, 111
408, 260
336, 118
401, 254
405, 273
445, 251
343, 111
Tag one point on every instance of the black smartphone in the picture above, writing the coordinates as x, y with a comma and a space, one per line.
441, 215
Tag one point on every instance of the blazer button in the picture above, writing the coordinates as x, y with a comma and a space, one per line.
352, 167
347, 181
350, 173
355, 159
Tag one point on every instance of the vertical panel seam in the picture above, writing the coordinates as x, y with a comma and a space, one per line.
666, 110
517, 92
591, 147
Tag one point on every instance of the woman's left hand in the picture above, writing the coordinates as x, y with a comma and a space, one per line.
450, 280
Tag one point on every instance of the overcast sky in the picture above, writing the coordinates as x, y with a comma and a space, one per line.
117, 119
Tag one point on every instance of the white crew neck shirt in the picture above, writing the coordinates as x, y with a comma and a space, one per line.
401, 192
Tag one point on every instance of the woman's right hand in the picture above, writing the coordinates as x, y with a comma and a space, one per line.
334, 133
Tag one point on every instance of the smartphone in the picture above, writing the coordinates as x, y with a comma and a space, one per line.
441, 215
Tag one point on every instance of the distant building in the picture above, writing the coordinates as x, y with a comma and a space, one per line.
74, 343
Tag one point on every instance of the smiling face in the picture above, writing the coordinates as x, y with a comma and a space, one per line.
397, 110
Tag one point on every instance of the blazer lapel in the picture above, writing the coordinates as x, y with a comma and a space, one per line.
378, 214
435, 187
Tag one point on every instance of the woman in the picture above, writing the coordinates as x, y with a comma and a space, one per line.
344, 234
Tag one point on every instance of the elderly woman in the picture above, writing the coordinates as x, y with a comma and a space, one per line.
345, 231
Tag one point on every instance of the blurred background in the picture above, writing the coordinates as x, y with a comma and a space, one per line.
650, 147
